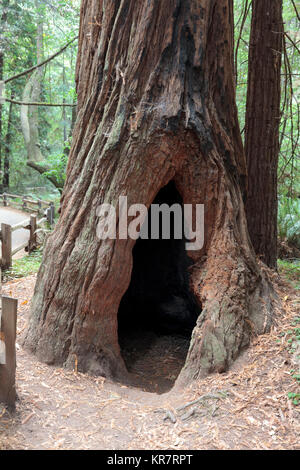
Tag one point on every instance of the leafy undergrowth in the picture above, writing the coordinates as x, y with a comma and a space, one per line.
291, 337
25, 266
290, 270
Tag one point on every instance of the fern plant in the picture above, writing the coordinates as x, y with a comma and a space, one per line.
289, 220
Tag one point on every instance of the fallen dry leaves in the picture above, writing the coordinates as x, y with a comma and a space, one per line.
60, 409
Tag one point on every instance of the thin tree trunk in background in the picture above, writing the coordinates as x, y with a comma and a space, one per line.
32, 93
1, 107
66, 150
38, 76
5, 4
29, 122
262, 126
64, 113
7, 145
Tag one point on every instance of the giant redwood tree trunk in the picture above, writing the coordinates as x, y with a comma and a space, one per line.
155, 104
262, 126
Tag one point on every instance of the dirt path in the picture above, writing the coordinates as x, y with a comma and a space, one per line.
246, 408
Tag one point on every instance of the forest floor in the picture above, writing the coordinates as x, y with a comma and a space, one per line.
246, 408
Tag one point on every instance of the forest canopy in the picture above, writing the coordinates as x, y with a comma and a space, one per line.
32, 31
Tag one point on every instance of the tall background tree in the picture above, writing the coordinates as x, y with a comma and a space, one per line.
262, 126
288, 181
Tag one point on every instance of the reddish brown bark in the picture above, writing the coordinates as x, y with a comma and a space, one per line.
262, 126
155, 103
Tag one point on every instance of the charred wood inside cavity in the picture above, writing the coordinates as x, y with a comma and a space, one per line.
159, 298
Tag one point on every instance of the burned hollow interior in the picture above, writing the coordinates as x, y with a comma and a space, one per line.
158, 302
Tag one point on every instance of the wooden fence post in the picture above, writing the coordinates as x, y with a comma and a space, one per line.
50, 214
8, 336
4, 200
6, 246
52, 208
32, 238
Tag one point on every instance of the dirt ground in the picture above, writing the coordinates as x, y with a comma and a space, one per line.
245, 408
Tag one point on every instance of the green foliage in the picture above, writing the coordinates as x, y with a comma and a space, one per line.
292, 338
295, 397
25, 266
289, 220
18, 40
58, 165
290, 270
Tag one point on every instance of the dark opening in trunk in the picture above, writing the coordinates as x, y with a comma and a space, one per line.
158, 312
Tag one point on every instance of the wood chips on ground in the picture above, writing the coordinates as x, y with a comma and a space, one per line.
245, 408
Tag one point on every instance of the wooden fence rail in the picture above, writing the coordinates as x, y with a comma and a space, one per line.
9, 306
8, 328
6, 231
27, 204
45, 208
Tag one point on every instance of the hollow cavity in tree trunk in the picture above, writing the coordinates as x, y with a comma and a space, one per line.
158, 311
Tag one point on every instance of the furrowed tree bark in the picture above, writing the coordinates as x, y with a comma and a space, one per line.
262, 126
156, 103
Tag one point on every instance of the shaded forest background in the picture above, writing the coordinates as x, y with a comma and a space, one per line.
33, 30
